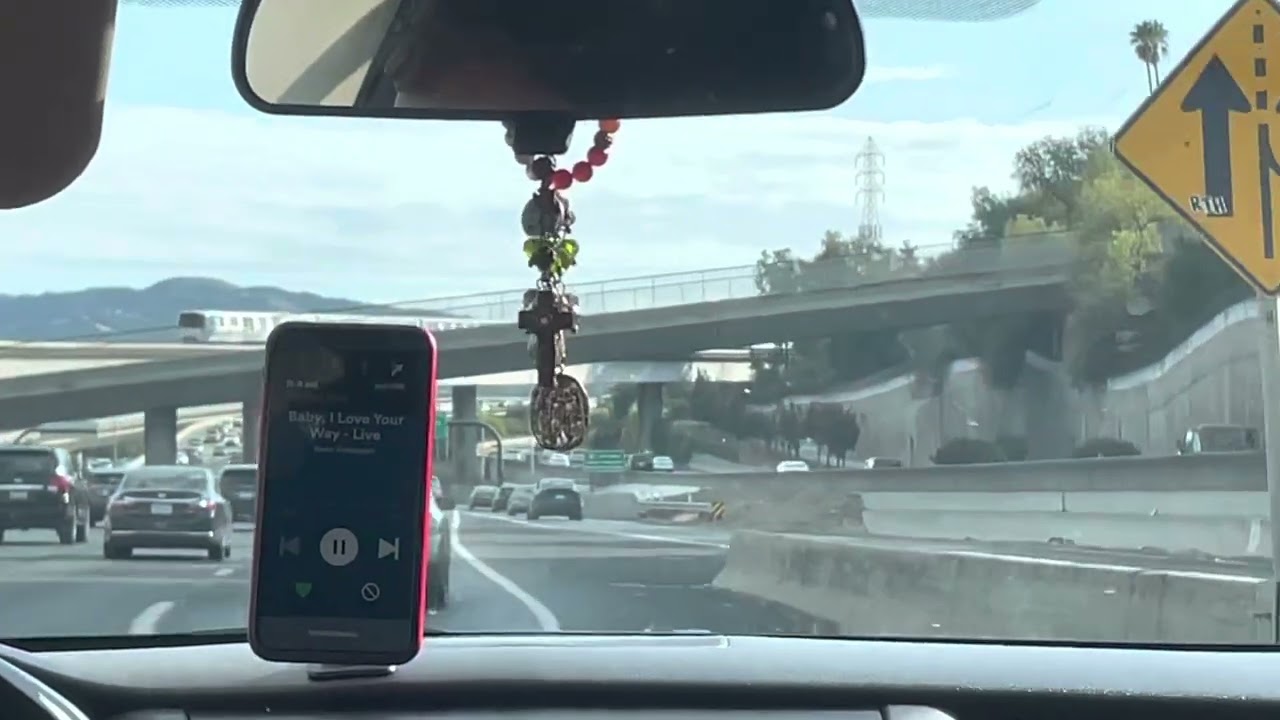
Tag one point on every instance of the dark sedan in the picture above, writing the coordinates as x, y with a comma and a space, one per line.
168, 506
102, 485
555, 497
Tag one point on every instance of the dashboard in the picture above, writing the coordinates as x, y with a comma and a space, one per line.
673, 677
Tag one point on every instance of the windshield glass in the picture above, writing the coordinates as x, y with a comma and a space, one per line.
164, 481
105, 478
1227, 439
15, 466
240, 478
952, 273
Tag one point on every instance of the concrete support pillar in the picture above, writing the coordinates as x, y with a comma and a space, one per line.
463, 440
649, 411
160, 435
250, 421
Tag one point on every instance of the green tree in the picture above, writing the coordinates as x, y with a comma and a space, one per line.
1051, 173
814, 363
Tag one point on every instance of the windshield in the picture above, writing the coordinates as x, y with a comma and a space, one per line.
20, 465
952, 270
240, 478
105, 478
158, 481
1227, 439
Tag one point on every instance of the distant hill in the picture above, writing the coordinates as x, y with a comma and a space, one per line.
150, 314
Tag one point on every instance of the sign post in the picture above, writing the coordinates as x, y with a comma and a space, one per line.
1204, 142
442, 435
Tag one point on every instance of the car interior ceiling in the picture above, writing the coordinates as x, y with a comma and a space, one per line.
54, 60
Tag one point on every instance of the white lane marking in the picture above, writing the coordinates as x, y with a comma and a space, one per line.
542, 614
615, 533
223, 572
147, 620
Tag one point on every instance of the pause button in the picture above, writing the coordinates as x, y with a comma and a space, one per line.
339, 547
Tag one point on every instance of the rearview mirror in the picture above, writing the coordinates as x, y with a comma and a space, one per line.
580, 59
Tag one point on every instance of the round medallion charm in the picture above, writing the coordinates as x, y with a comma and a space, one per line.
559, 416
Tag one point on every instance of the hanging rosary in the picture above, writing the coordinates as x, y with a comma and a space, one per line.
559, 411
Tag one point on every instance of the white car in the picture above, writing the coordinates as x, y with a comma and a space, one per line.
556, 460
787, 466
549, 483
662, 463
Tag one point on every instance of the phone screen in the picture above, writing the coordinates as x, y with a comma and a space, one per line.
344, 482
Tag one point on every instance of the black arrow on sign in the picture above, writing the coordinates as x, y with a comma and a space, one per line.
1215, 95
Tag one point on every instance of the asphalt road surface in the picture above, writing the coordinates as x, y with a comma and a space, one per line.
508, 574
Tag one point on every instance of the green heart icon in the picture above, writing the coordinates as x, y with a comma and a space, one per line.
303, 589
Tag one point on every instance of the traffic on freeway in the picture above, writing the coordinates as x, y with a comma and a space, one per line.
1037, 409
507, 574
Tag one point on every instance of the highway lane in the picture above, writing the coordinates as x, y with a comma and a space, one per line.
508, 574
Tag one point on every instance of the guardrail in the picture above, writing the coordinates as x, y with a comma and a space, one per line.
743, 281
107, 428
675, 506
1232, 472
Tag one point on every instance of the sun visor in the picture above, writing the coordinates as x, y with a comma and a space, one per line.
53, 74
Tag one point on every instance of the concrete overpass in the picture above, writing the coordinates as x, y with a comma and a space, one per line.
22, 359
1021, 277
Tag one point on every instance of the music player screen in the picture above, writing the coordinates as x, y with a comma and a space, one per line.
344, 487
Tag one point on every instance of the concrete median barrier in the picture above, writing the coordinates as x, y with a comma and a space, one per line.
879, 588
1211, 535
611, 506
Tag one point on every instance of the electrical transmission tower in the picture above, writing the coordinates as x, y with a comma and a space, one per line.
869, 165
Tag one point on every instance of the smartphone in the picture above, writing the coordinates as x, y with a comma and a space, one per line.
343, 520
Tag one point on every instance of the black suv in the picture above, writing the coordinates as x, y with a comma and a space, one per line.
41, 489
238, 483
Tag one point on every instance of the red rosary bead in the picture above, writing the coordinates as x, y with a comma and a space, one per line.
543, 169
561, 179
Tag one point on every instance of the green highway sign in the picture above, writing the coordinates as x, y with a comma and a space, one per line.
605, 461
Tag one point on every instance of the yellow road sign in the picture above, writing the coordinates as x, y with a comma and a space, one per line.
1208, 140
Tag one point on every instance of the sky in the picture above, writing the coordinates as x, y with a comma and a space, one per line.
191, 182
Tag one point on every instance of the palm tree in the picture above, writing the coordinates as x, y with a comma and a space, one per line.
1150, 42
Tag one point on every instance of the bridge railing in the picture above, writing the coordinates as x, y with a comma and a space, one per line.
743, 281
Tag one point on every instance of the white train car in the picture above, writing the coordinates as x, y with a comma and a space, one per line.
247, 327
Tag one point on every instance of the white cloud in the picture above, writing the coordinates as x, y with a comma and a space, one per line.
882, 74
393, 210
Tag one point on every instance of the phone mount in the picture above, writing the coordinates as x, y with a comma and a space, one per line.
322, 672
